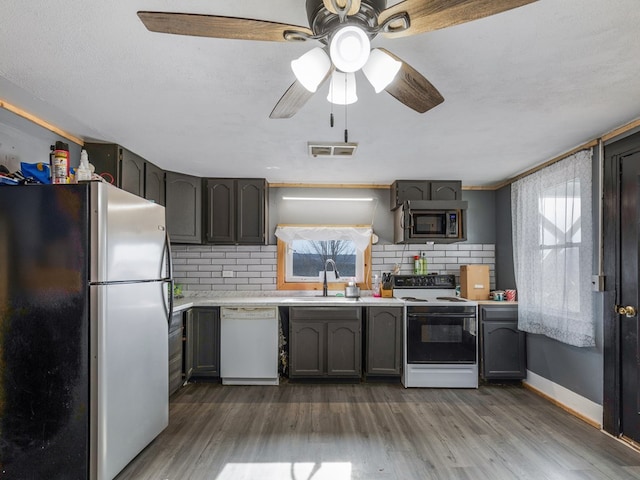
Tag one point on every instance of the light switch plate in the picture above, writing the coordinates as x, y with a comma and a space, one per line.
597, 283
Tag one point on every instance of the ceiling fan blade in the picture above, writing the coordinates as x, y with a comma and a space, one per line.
412, 89
295, 98
355, 6
292, 101
428, 15
219, 27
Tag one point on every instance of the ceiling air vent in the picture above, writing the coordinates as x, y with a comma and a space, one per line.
324, 149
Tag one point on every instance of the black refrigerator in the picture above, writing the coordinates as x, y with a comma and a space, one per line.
85, 301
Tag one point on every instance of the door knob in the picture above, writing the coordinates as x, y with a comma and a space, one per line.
628, 310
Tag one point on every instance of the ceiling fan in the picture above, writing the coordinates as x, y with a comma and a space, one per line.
344, 28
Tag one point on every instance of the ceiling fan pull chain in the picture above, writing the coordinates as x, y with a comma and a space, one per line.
346, 126
331, 118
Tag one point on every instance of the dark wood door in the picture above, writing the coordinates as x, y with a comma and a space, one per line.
205, 342
307, 348
153, 183
384, 341
251, 204
630, 349
221, 210
131, 172
184, 207
344, 348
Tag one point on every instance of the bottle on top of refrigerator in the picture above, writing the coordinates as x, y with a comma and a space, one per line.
60, 163
83, 172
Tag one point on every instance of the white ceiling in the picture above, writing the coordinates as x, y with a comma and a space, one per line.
520, 88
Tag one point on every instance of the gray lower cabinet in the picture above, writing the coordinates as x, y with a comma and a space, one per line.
202, 343
502, 346
325, 342
184, 208
175, 352
383, 341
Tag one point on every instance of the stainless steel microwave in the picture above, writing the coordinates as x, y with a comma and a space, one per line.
423, 221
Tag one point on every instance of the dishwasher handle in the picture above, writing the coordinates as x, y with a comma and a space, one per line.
249, 313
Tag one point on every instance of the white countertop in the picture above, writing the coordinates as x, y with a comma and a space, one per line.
289, 301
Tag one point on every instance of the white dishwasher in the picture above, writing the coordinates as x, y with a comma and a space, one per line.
249, 345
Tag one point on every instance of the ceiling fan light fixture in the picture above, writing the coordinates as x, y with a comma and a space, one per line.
349, 48
381, 69
342, 89
311, 68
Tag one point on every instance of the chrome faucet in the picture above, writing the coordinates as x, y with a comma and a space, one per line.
335, 270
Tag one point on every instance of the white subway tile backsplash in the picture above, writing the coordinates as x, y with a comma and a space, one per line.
199, 267
469, 246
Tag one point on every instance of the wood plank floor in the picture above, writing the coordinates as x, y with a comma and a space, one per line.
375, 432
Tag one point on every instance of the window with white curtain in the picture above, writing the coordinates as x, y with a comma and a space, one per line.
304, 249
553, 251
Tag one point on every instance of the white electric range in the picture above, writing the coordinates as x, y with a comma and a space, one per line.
440, 333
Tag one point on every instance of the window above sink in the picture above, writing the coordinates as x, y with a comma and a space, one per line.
303, 251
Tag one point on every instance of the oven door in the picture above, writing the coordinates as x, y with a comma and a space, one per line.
441, 334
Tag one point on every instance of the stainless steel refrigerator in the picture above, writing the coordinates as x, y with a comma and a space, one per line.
85, 303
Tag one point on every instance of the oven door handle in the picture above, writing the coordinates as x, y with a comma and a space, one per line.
440, 315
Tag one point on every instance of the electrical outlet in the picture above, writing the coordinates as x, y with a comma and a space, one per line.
227, 274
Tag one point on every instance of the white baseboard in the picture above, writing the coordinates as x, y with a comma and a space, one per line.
567, 399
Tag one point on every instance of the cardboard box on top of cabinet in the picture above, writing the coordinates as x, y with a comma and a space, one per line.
474, 282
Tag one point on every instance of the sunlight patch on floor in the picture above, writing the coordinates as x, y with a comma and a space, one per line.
286, 471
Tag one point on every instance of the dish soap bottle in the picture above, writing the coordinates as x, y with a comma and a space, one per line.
83, 172
375, 289
423, 263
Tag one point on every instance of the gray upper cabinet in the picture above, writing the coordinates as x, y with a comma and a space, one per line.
384, 341
236, 210
154, 183
184, 208
131, 172
403, 190
221, 210
502, 345
127, 170
446, 190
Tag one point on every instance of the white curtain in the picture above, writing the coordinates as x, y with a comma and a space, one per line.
552, 250
360, 236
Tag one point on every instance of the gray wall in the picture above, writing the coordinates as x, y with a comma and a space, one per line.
374, 213
23, 141
578, 369
505, 275
480, 214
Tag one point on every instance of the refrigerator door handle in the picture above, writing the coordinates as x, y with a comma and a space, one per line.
167, 260
169, 264
168, 303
